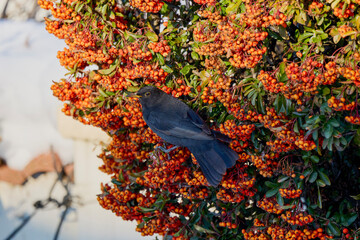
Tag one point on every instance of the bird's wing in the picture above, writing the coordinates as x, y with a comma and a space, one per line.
197, 121
188, 125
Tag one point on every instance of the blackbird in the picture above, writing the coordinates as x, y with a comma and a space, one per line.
178, 124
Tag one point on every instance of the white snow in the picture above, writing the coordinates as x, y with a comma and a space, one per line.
28, 65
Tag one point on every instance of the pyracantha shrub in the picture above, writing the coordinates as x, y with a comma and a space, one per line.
280, 78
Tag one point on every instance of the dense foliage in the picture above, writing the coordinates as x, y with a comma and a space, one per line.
281, 78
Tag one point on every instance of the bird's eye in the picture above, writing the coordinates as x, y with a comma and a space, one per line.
147, 94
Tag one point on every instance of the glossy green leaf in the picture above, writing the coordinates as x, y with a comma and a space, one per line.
185, 70
325, 178
152, 36
334, 229
315, 159
271, 192
313, 177
203, 230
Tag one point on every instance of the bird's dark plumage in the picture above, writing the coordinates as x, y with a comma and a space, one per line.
178, 124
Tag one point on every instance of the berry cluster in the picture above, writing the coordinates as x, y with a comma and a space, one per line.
163, 173
256, 16
214, 63
213, 17
182, 90
353, 119
74, 92
243, 47
161, 47
228, 196
315, 6
269, 205
202, 35
237, 180
194, 193
294, 218
63, 11
340, 12
270, 83
344, 29
253, 234
271, 119
152, 6
356, 56
265, 165
330, 75
205, 2
286, 139
302, 143
242, 114
350, 73
240, 132
277, 232
302, 79
135, 54
339, 104
228, 225
290, 193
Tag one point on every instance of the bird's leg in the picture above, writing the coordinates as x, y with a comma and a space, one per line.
165, 150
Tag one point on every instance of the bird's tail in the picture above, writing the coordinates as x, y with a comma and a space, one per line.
214, 157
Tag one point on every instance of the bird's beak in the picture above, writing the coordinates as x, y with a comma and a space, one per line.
133, 95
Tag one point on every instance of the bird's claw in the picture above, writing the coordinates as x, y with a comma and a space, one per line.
165, 150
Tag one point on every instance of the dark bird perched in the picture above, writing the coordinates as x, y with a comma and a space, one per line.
178, 124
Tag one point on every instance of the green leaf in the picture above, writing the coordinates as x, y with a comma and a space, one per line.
141, 225
233, 7
160, 58
326, 91
282, 67
280, 199
274, 35
167, 68
79, 6
109, 70
350, 218
334, 230
185, 70
132, 89
334, 122
271, 184
319, 203
320, 183
328, 130
307, 172
152, 36
356, 197
146, 210
325, 178
282, 179
195, 55
203, 230
103, 93
315, 134
271, 192
296, 127
304, 36
146, 219
315, 159
313, 177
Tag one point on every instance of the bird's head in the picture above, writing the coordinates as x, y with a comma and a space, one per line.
150, 96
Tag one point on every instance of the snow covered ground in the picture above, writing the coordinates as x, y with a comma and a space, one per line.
28, 65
